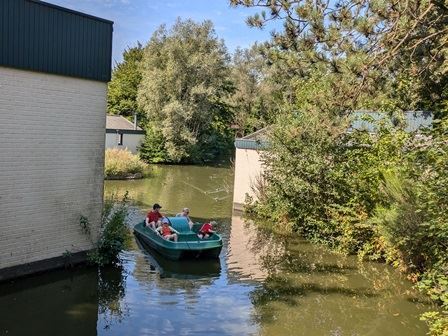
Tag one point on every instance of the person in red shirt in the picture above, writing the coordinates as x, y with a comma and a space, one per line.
154, 216
167, 231
206, 230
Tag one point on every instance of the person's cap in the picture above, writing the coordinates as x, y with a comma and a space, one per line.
165, 221
156, 206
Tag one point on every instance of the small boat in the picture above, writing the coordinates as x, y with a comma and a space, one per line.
188, 244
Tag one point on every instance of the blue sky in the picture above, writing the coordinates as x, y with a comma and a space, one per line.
136, 20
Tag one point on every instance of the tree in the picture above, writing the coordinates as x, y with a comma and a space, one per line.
185, 82
126, 77
370, 47
253, 99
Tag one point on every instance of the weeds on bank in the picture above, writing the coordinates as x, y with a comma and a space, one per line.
114, 234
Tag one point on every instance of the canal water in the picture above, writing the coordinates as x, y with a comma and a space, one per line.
261, 285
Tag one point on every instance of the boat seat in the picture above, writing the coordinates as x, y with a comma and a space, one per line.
180, 224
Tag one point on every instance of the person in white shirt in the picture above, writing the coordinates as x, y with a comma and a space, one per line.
185, 213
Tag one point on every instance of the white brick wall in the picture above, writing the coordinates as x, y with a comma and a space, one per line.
52, 132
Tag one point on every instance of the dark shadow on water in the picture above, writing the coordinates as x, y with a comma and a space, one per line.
47, 278
424, 300
63, 302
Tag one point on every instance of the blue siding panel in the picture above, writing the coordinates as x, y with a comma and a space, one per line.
368, 120
38, 36
251, 144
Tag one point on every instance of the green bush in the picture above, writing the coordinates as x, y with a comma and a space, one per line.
114, 233
122, 163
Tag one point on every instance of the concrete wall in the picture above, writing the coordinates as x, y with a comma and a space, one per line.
130, 141
51, 164
247, 168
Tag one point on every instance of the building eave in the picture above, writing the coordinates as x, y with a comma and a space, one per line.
124, 131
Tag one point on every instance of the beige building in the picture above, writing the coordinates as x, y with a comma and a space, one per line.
52, 121
248, 166
122, 134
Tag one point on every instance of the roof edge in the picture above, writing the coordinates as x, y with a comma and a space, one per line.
250, 144
64, 9
124, 131
130, 122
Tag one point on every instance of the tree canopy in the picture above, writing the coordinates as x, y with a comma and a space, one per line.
365, 47
254, 96
185, 80
126, 77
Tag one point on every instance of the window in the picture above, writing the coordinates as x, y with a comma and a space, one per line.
120, 139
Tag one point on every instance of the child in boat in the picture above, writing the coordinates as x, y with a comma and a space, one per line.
186, 213
206, 230
167, 231
153, 217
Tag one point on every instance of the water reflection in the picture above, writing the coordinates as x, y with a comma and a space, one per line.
187, 269
111, 291
304, 289
310, 290
251, 252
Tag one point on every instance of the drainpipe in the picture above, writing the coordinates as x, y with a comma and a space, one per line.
135, 121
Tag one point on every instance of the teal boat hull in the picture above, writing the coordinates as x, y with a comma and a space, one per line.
188, 245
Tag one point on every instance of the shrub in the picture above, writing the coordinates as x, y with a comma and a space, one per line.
383, 197
122, 163
114, 233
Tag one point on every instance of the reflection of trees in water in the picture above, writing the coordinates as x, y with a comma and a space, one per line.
282, 303
309, 306
269, 248
111, 292
313, 289
391, 283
